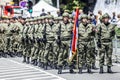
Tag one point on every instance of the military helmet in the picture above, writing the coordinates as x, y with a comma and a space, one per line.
46, 17
50, 17
55, 18
89, 18
84, 16
106, 15
60, 18
65, 14
39, 18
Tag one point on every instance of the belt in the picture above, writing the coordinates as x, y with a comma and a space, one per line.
65, 39
86, 40
106, 40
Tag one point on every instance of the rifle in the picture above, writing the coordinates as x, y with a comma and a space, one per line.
99, 38
58, 37
44, 35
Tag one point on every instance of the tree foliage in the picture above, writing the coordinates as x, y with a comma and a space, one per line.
72, 4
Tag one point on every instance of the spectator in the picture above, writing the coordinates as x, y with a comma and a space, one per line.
98, 16
59, 13
43, 13
48, 13
114, 18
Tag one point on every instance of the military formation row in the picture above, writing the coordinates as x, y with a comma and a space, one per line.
45, 41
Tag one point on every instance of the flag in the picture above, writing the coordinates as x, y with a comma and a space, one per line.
73, 47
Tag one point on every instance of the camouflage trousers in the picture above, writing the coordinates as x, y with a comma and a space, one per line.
105, 51
63, 52
85, 53
48, 54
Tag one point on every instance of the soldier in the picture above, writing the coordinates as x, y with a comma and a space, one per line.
65, 37
93, 47
19, 23
9, 40
57, 42
31, 38
16, 36
39, 37
35, 49
2, 37
26, 51
49, 39
43, 40
105, 35
85, 43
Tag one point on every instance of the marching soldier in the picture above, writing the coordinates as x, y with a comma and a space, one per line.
49, 39
65, 36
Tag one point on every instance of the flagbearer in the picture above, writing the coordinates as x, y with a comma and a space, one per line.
86, 32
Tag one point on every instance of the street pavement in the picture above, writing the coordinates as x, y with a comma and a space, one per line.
14, 69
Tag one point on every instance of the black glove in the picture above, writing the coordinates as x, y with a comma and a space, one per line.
58, 41
22, 39
99, 43
44, 40
13, 31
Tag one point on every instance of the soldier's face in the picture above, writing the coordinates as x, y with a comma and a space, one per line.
106, 20
39, 21
50, 20
56, 21
65, 19
46, 20
43, 21
84, 20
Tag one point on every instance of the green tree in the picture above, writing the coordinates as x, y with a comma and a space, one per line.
73, 4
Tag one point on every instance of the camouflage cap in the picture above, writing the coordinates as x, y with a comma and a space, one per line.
60, 18
89, 17
46, 17
106, 15
50, 17
55, 18
65, 14
84, 16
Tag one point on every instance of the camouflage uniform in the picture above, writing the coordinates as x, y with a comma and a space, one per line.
85, 44
105, 35
65, 37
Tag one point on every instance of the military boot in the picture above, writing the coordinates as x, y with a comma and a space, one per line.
35, 64
45, 66
28, 60
42, 64
24, 59
101, 70
89, 70
71, 69
60, 70
93, 66
39, 63
80, 71
109, 69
